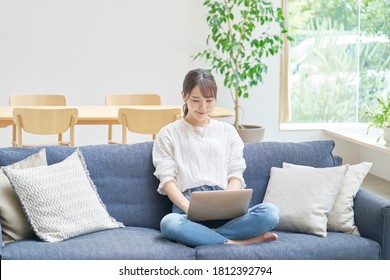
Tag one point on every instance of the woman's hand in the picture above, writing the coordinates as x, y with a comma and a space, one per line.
234, 183
176, 196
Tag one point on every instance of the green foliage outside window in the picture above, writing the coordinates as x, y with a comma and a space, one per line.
340, 58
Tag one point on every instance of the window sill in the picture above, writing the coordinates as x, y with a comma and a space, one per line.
363, 139
351, 132
322, 126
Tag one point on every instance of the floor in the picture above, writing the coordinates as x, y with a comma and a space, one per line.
377, 185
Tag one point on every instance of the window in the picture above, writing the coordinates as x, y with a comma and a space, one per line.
339, 59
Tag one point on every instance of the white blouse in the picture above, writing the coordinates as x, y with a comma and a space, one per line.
193, 156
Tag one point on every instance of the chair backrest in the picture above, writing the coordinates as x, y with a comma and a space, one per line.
133, 99
44, 121
146, 121
37, 100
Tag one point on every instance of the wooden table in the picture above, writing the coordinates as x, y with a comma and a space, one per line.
97, 115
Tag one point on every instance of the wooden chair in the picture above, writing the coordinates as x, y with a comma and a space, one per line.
36, 100
47, 121
146, 121
130, 99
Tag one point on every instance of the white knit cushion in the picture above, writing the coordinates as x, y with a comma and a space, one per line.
60, 200
342, 217
304, 197
14, 223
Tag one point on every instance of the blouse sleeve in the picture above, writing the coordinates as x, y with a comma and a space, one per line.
163, 159
236, 162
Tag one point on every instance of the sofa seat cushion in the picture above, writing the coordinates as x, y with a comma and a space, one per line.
298, 246
128, 243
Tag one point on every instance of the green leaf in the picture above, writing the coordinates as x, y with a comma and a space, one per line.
240, 38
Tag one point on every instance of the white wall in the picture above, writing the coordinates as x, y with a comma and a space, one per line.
86, 49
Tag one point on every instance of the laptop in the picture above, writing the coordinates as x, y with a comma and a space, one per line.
218, 205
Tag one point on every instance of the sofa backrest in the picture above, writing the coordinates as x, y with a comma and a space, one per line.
123, 174
260, 157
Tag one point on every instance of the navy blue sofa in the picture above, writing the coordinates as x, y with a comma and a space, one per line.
123, 175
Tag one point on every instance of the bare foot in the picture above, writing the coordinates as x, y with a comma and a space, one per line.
265, 237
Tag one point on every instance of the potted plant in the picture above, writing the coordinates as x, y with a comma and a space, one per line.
242, 36
380, 116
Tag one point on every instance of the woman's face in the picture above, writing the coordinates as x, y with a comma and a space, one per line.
199, 107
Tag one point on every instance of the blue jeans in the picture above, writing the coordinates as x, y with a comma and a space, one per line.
260, 218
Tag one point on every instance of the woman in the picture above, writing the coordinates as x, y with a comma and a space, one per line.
199, 153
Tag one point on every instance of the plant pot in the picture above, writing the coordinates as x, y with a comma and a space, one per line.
251, 133
386, 135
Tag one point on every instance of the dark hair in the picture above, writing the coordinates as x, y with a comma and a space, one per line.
201, 78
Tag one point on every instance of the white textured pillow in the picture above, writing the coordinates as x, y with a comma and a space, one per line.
342, 217
304, 197
14, 223
60, 200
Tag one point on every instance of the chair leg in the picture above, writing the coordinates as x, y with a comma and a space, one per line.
59, 138
19, 132
110, 134
71, 132
124, 130
14, 135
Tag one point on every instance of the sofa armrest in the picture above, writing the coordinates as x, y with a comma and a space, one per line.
338, 160
1, 245
372, 217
